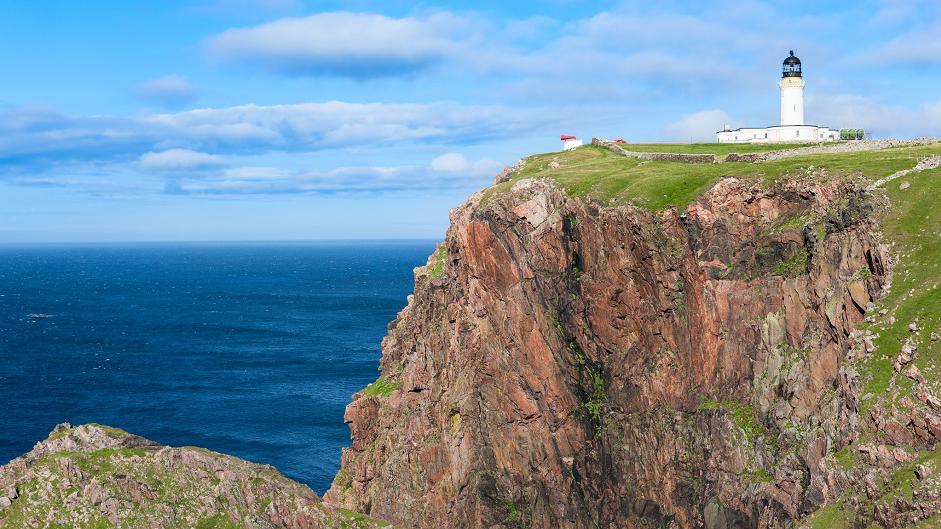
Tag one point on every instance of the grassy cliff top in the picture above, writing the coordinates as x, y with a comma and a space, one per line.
595, 172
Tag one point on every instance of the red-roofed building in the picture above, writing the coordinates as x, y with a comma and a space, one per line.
570, 142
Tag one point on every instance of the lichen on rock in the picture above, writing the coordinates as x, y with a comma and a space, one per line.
95, 477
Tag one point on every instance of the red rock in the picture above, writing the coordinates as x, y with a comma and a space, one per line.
568, 355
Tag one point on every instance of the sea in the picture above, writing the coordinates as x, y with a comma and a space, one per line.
250, 349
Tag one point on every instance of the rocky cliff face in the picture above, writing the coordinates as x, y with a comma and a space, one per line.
96, 477
564, 364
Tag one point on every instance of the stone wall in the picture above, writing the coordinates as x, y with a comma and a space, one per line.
660, 156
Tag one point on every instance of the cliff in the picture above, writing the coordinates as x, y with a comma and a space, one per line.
606, 340
94, 476
575, 355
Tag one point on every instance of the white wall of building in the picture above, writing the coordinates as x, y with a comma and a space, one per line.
792, 101
792, 134
571, 144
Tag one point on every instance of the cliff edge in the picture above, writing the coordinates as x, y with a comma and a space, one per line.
583, 352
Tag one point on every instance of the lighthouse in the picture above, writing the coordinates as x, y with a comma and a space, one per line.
792, 92
792, 129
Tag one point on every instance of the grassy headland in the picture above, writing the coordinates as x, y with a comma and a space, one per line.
597, 173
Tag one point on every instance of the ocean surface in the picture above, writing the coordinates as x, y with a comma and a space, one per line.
248, 349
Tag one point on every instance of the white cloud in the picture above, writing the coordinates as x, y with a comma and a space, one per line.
449, 171
180, 159
637, 45
357, 45
34, 139
697, 126
169, 90
881, 119
454, 162
919, 48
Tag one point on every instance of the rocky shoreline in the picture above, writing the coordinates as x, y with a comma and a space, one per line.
94, 476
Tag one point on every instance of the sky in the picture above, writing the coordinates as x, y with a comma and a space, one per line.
292, 120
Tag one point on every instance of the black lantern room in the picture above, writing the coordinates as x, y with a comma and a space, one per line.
792, 66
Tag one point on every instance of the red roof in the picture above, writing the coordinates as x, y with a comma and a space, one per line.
619, 140
568, 137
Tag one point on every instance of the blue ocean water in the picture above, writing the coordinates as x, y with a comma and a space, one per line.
248, 349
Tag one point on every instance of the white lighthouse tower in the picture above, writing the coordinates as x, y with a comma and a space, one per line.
792, 129
792, 92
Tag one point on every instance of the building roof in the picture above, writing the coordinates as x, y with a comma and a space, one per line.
792, 59
775, 127
568, 137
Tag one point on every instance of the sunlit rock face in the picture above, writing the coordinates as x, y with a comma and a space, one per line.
567, 364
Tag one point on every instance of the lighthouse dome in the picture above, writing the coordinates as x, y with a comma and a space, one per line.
792, 66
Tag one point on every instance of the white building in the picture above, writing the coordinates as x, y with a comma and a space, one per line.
570, 142
792, 127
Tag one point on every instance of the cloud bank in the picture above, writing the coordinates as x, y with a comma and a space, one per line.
448, 171
211, 150
356, 45
37, 138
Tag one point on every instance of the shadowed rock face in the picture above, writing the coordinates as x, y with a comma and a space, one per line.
573, 365
97, 477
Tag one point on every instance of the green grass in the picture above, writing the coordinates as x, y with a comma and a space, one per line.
793, 266
441, 258
831, 516
597, 173
710, 148
846, 457
914, 224
219, 521
742, 414
595, 404
382, 387
354, 520
758, 476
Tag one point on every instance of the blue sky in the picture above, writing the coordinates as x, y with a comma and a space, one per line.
287, 119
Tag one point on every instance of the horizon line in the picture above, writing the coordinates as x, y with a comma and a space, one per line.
165, 242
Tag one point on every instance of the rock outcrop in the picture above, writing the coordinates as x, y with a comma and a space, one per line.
564, 364
96, 477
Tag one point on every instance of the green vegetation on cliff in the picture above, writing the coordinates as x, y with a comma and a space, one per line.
382, 387
440, 259
912, 226
597, 173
